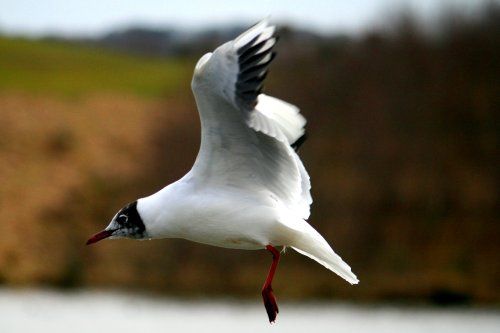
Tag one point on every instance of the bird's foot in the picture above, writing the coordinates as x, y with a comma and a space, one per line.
270, 303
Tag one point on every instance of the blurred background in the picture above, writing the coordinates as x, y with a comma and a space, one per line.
402, 100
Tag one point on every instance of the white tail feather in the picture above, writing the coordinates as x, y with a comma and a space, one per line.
307, 241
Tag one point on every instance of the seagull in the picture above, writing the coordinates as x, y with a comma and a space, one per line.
248, 188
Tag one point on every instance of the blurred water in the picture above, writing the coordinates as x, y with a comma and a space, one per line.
52, 311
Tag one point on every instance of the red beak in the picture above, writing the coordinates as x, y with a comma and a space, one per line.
100, 236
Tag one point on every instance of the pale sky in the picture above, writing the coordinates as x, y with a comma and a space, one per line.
91, 17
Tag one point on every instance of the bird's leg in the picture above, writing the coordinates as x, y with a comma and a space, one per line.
267, 290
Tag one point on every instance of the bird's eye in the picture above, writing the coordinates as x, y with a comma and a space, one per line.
122, 219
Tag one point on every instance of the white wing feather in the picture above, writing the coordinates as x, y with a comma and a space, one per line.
242, 144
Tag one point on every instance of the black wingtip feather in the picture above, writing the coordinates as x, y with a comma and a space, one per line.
256, 49
248, 45
298, 143
253, 60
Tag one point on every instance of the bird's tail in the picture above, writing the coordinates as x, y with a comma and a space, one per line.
309, 242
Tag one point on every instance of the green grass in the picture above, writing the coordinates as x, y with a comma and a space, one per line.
50, 67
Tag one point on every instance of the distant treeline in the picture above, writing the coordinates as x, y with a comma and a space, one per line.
172, 41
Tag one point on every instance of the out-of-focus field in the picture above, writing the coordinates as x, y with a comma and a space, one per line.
61, 69
76, 122
402, 152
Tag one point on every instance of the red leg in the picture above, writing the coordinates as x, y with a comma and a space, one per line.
267, 290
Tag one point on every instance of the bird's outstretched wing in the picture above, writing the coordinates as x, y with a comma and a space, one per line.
248, 138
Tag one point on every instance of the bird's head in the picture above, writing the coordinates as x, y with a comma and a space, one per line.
127, 223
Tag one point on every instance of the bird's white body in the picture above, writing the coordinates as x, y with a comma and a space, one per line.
222, 216
248, 188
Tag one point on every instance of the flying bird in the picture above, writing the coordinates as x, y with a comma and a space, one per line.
248, 188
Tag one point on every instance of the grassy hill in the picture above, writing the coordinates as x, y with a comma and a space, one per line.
62, 68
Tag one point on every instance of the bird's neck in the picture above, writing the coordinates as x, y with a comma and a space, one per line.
159, 212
